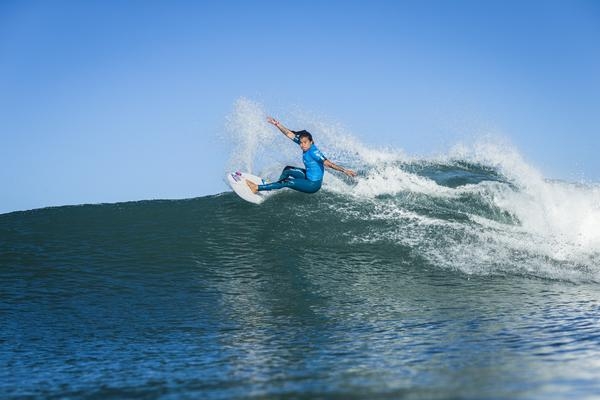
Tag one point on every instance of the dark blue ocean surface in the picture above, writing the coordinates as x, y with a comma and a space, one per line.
430, 294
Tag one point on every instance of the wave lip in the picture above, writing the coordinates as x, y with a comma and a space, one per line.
475, 219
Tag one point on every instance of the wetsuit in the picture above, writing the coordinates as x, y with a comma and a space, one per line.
307, 180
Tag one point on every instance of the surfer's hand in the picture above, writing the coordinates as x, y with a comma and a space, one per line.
349, 172
273, 121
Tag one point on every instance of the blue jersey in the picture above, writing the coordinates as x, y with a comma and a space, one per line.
313, 161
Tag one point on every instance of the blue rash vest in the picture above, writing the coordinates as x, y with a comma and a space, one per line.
313, 161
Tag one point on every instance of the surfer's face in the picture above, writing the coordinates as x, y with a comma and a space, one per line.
305, 143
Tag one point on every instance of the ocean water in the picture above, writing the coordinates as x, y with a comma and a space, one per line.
466, 275
446, 282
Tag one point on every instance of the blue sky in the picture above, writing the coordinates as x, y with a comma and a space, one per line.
105, 101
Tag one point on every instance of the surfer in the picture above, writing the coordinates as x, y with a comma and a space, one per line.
308, 179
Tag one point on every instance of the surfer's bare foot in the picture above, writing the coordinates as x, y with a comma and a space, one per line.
253, 186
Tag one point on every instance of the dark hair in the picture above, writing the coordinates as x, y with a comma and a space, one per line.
302, 134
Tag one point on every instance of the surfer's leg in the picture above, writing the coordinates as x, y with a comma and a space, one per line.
292, 172
293, 178
271, 186
288, 175
304, 185
301, 185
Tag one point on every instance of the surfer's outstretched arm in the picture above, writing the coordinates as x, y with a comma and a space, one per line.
282, 128
332, 165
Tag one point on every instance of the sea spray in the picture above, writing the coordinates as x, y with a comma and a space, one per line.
480, 208
257, 146
248, 131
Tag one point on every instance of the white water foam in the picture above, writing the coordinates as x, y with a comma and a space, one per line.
565, 214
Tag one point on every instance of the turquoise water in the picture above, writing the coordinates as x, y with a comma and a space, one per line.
419, 281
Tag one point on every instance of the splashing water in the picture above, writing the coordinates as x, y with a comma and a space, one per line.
247, 129
480, 208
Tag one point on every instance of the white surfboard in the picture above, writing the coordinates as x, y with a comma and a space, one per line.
237, 181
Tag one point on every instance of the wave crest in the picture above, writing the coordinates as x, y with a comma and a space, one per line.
479, 208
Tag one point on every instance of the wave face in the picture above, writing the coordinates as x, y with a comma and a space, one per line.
453, 215
431, 293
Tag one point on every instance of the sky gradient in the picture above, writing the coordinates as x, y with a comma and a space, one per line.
105, 101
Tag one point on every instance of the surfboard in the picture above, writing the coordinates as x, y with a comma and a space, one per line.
237, 181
